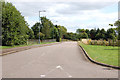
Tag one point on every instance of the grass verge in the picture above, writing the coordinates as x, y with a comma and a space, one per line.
6, 47
102, 54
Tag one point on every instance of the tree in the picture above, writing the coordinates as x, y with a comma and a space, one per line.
92, 34
117, 23
71, 36
14, 26
88, 32
53, 33
30, 33
78, 36
47, 27
110, 33
42, 36
62, 30
110, 24
80, 31
97, 36
102, 34
35, 29
84, 35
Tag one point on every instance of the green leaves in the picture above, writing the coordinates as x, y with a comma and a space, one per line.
42, 36
14, 26
48, 30
117, 23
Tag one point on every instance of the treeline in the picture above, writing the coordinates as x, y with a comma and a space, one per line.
48, 30
94, 34
15, 30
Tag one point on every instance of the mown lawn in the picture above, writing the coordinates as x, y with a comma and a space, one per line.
5, 47
103, 54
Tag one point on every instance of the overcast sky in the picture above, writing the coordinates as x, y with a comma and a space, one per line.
72, 14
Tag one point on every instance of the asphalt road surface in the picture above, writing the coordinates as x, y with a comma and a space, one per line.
64, 60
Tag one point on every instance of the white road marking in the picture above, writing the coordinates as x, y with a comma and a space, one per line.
57, 67
69, 76
42, 76
64, 71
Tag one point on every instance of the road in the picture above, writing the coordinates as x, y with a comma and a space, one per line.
64, 60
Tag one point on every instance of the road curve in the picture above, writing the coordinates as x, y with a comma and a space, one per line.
65, 60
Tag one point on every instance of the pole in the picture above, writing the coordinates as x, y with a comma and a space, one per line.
39, 27
40, 24
53, 32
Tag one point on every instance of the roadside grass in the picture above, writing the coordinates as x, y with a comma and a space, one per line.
103, 54
6, 47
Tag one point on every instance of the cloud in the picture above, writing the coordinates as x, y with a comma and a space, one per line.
73, 14
63, 0
31, 8
90, 19
79, 7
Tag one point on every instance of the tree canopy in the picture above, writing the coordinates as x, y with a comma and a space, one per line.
15, 30
48, 29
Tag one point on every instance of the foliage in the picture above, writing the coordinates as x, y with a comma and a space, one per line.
14, 27
97, 34
15, 30
71, 36
92, 34
103, 42
42, 36
111, 34
49, 30
117, 23
80, 31
84, 35
30, 33
47, 27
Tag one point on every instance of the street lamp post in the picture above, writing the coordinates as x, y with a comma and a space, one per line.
40, 24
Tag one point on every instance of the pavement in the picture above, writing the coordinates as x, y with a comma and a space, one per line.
64, 60
17, 49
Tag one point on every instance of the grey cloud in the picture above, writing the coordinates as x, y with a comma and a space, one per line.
77, 7
32, 8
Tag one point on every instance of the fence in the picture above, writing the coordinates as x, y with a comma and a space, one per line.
35, 41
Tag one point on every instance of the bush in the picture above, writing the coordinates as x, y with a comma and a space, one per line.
14, 26
42, 36
89, 41
103, 42
95, 42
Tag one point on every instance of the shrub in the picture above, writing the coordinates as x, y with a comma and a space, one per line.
103, 42
89, 41
95, 42
14, 26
